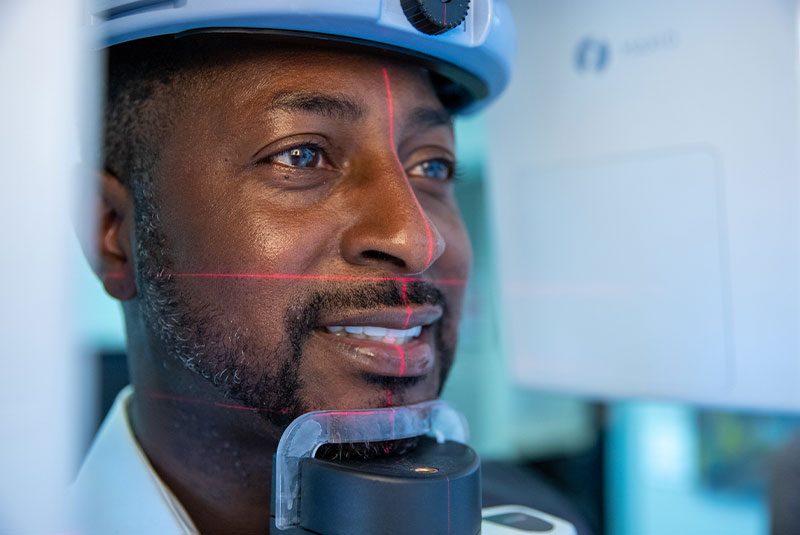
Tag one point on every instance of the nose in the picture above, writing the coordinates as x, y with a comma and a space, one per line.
389, 228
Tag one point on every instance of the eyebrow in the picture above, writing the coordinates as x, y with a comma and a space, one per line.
428, 118
334, 106
339, 106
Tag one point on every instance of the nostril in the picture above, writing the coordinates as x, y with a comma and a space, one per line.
383, 257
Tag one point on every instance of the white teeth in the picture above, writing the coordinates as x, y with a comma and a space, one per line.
376, 331
382, 334
413, 332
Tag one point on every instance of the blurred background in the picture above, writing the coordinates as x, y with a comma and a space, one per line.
631, 328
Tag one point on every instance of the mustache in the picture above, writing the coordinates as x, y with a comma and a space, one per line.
377, 295
300, 321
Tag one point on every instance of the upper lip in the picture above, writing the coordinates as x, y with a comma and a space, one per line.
390, 318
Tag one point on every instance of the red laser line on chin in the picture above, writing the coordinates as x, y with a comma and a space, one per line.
181, 399
391, 419
352, 413
399, 163
402, 359
408, 318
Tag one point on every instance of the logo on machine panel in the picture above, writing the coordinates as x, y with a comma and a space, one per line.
592, 55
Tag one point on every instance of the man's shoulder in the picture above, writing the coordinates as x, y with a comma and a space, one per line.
117, 491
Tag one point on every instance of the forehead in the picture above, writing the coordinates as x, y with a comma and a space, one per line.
268, 71
238, 101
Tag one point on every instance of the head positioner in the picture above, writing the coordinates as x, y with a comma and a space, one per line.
469, 42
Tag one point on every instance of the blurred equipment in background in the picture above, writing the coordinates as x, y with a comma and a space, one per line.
44, 385
644, 175
644, 194
785, 489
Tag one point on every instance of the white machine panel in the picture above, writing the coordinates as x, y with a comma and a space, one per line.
644, 181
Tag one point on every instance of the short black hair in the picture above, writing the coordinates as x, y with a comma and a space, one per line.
135, 74
145, 82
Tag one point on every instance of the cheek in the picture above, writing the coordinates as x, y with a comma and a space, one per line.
456, 261
241, 260
230, 222
454, 265
254, 240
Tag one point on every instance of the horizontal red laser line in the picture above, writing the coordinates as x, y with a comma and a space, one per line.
329, 277
159, 395
453, 282
352, 413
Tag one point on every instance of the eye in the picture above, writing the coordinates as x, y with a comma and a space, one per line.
438, 169
303, 156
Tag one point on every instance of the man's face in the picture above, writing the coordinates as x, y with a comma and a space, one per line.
307, 251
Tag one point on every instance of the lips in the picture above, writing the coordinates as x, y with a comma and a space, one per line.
389, 318
391, 342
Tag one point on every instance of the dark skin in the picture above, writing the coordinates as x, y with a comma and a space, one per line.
233, 199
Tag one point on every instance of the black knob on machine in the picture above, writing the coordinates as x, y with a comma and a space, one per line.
435, 16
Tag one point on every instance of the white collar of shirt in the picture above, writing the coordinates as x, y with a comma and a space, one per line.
117, 491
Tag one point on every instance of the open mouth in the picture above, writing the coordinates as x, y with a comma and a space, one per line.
391, 342
377, 334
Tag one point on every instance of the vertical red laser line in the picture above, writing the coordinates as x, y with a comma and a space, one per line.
397, 157
408, 319
402, 359
408, 307
391, 419
445, 13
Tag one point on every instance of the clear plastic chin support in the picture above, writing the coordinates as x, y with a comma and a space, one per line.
310, 431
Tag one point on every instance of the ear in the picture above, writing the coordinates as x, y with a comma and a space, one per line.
113, 251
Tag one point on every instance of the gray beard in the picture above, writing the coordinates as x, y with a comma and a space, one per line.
203, 339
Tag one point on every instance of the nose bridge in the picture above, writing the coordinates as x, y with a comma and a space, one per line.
391, 228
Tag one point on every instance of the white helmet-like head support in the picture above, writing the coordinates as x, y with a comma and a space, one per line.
469, 42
